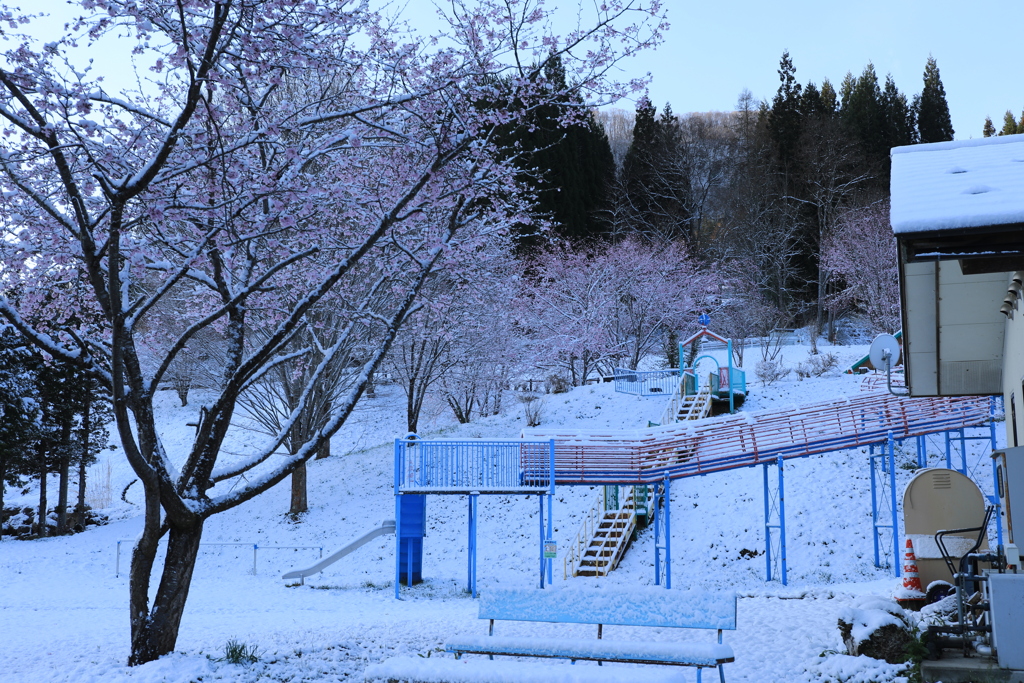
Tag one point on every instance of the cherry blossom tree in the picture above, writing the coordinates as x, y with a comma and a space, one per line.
273, 154
567, 305
591, 307
656, 288
861, 254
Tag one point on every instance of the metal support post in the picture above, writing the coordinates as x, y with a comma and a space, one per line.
963, 453
880, 499
895, 517
398, 519
775, 506
551, 535
541, 499
732, 400
949, 452
668, 535
994, 499
922, 451
654, 502
551, 503
471, 569
874, 508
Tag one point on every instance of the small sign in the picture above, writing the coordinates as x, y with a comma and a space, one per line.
550, 550
704, 319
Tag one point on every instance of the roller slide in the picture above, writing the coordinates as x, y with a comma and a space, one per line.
386, 527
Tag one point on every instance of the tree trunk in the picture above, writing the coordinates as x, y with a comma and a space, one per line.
83, 461
62, 494
3, 478
300, 502
41, 521
64, 465
412, 407
155, 631
324, 451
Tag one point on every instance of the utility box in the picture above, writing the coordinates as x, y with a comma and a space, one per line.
938, 499
1006, 592
1010, 489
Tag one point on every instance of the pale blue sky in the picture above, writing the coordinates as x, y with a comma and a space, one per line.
715, 50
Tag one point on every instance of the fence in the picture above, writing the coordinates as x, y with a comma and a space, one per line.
472, 466
255, 551
652, 383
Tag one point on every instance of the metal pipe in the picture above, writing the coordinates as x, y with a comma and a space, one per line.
895, 516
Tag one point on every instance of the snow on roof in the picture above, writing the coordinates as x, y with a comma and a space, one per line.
956, 185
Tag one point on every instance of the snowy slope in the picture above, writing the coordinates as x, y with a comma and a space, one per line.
63, 613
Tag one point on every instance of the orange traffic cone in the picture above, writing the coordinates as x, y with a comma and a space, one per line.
911, 581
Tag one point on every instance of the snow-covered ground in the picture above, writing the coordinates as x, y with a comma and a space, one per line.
63, 612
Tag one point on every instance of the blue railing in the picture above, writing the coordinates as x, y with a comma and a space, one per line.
738, 385
479, 465
654, 383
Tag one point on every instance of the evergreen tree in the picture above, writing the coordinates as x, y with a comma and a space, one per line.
569, 168
829, 99
988, 130
864, 116
648, 178
19, 410
574, 165
1010, 126
784, 117
933, 122
900, 126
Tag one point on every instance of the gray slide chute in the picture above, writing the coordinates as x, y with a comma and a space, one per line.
386, 527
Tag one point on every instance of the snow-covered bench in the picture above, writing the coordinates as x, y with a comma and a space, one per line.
640, 607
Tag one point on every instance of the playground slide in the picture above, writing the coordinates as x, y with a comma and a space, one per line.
386, 527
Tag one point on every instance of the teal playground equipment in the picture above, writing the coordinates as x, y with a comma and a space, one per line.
727, 383
650, 459
690, 398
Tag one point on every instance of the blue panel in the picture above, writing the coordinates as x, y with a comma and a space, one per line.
415, 546
414, 516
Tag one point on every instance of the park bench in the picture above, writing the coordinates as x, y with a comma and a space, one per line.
647, 607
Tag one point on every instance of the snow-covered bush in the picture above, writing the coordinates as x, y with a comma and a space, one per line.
770, 371
817, 365
533, 409
557, 384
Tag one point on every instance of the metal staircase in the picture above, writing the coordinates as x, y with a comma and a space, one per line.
605, 533
687, 402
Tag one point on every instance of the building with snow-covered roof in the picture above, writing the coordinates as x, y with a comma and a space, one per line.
958, 214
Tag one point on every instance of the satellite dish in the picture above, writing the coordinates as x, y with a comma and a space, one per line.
884, 344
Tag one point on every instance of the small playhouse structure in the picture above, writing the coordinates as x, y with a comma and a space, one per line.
692, 396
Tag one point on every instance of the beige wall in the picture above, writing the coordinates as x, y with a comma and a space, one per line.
953, 330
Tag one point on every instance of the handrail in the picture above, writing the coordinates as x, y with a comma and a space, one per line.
585, 535
700, 447
580, 544
606, 563
644, 382
701, 400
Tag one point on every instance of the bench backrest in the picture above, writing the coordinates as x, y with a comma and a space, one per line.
638, 607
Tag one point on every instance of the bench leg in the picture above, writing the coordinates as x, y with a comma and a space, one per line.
721, 673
